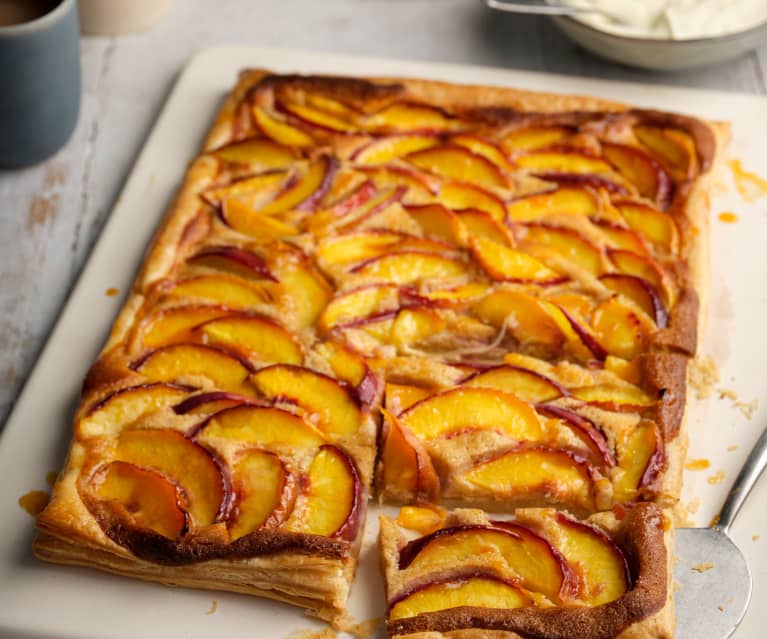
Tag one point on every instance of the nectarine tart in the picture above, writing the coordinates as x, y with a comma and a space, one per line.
475, 295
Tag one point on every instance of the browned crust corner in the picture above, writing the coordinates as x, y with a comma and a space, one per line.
642, 539
665, 374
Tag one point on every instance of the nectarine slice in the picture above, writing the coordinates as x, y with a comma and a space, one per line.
414, 324
650, 178
188, 464
639, 291
507, 264
259, 153
620, 330
600, 563
555, 474
457, 162
532, 138
467, 409
457, 294
482, 147
527, 385
423, 518
355, 247
280, 131
357, 304
179, 362
333, 505
307, 292
387, 148
232, 259
438, 222
143, 496
540, 567
264, 492
174, 324
641, 459
258, 337
566, 242
409, 117
561, 201
410, 266
462, 195
482, 224
478, 592
261, 425
402, 396
123, 407
305, 191
318, 118
406, 468
655, 226
646, 268
673, 147
252, 191
542, 162
245, 219
229, 290
618, 236
322, 397
523, 316
614, 397
205, 404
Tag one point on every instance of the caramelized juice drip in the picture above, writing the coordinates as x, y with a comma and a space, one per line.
697, 464
112, 292
750, 185
34, 502
727, 217
716, 478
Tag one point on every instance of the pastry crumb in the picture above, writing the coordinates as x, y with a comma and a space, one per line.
703, 375
112, 292
365, 629
732, 448
693, 506
755, 537
703, 567
717, 478
698, 464
325, 633
213, 607
676, 586
747, 408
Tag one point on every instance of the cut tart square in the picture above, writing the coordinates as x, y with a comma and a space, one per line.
421, 290
540, 573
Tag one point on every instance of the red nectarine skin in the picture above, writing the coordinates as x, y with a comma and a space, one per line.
302, 117
136, 364
580, 179
313, 201
594, 437
357, 198
456, 576
589, 341
409, 552
191, 403
245, 259
104, 400
660, 313
348, 530
566, 520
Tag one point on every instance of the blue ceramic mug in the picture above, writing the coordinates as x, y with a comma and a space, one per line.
39, 84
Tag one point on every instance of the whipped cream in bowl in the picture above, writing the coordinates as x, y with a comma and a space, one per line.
671, 19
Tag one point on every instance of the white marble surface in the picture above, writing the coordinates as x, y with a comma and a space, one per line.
51, 214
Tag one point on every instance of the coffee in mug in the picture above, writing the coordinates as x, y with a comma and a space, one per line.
20, 11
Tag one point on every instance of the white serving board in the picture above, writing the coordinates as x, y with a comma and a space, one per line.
42, 600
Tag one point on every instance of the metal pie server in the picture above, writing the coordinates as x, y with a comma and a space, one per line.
715, 580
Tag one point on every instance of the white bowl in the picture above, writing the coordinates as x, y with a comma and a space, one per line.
661, 54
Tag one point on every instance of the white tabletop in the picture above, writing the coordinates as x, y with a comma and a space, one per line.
51, 214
